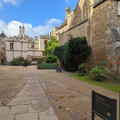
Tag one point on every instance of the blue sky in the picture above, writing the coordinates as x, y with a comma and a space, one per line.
38, 16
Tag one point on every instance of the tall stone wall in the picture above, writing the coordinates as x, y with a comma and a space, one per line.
80, 30
114, 46
100, 32
97, 29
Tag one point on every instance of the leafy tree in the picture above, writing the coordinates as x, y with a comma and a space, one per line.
49, 50
73, 53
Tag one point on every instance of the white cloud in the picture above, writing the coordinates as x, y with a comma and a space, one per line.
12, 28
53, 21
0, 5
13, 2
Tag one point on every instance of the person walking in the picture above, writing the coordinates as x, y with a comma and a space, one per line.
58, 68
24, 66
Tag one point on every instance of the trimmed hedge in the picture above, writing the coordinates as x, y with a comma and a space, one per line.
73, 53
47, 66
19, 62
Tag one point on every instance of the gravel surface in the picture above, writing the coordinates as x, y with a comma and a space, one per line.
70, 98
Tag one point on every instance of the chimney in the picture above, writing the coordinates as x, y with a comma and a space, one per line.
23, 31
68, 10
20, 31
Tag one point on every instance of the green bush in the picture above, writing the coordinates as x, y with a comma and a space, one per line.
19, 62
99, 73
73, 53
82, 70
26, 62
47, 66
51, 59
41, 60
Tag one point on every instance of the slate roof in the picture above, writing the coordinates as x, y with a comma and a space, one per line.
64, 23
2, 35
97, 3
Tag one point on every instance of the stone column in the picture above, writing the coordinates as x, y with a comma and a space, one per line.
20, 31
23, 31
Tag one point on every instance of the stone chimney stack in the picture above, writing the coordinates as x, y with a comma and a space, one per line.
20, 31
68, 10
23, 31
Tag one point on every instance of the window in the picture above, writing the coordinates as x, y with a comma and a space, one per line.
11, 46
45, 43
34, 59
118, 7
32, 46
119, 29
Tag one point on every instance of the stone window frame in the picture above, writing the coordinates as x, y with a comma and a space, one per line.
119, 29
118, 8
32, 46
11, 45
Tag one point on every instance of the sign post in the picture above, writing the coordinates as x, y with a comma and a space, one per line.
119, 105
93, 107
104, 107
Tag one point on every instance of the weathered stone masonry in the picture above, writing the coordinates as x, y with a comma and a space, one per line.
99, 22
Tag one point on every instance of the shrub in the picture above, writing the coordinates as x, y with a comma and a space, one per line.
73, 53
82, 70
51, 59
47, 66
19, 62
41, 60
99, 73
26, 62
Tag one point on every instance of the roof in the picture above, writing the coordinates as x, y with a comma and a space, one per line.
64, 23
97, 3
2, 35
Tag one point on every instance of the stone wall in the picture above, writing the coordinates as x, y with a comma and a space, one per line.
100, 32
80, 30
114, 46
97, 29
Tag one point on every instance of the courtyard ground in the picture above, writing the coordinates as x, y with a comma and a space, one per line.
23, 94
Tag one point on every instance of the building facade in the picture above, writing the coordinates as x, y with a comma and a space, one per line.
99, 22
24, 46
2, 48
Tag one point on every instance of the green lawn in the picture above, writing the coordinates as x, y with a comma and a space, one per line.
110, 86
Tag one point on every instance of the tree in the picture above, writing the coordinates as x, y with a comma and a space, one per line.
73, 53
50, 47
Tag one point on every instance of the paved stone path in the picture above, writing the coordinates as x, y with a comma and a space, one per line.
31, 103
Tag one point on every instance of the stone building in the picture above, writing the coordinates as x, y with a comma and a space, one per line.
24, 46
99, 22
2, 48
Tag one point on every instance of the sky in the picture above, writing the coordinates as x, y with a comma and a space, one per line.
38, 16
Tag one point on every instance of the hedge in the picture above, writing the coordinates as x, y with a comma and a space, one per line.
73, 53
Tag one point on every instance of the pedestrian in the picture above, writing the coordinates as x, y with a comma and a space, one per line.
24, 66
58, 68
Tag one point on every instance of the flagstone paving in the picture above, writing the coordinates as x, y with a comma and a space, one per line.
30, 103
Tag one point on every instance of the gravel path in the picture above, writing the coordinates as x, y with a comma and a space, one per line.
71, 98
37, 94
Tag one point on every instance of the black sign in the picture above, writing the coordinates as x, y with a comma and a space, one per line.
104, 107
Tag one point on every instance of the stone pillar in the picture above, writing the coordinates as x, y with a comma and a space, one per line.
23, 31
68, 10
20, 31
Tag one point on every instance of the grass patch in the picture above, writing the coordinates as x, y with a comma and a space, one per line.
110, 86
47, 66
